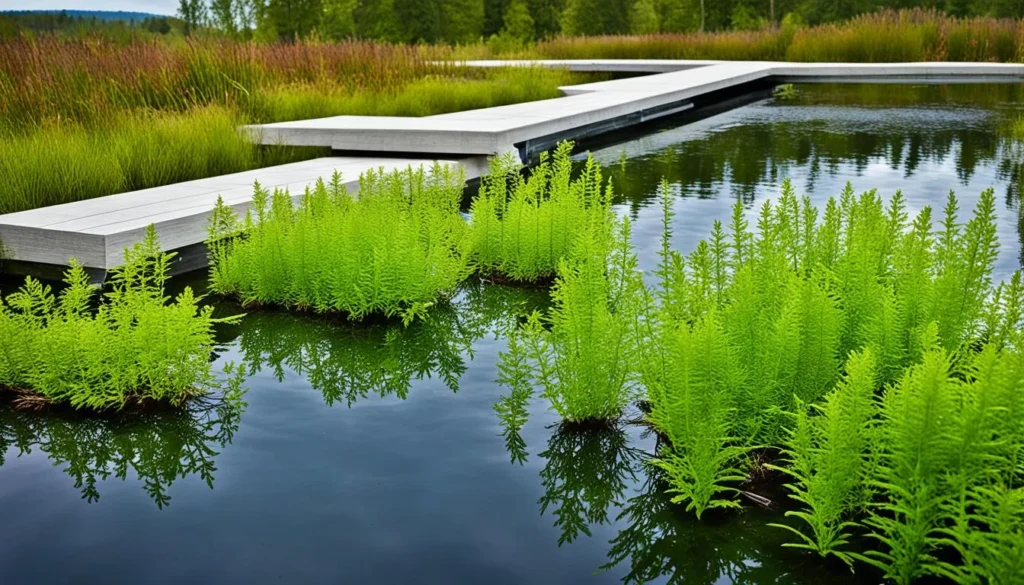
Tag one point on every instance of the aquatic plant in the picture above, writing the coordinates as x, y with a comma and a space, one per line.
828, 457
742, 350
688, 387
155, 447
397, 247
135, 347
522, 228
584, 350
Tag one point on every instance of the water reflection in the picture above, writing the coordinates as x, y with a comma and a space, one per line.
602, 477
348, 362
663, 543
157, 445
587, 472
766, 142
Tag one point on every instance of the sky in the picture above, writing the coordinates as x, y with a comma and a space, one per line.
154, 6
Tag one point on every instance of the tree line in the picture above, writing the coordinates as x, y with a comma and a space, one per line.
466, 21
463, 21
13, 23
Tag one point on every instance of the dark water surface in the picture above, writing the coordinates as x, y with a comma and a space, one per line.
371, 454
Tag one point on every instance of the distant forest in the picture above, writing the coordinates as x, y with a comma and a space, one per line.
467, 21
13, 22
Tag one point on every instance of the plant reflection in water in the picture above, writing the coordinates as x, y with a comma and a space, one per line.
160, 445
348, 362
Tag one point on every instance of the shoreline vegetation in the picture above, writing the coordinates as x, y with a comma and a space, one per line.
89, 114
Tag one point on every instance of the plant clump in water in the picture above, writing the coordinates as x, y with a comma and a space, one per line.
523, 228
583, 351
398, 247
873, 350
134, 347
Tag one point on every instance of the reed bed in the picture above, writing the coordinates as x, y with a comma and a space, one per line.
81, 118
885, 36
68, 162
910, 35
50, 78
767, 45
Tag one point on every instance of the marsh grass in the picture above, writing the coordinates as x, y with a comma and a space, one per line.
886, 36
523, 228
81, 118
430, 95
67, 162
395, 249
135, 347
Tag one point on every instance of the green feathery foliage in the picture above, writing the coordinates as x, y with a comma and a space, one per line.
393, 250
136, 346
942, 447
522, 228
753, 324
688, 388
827, 455
584, 350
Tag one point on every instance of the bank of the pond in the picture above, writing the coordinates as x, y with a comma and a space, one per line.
372, 453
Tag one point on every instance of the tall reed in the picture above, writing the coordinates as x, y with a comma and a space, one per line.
64, 163
81, 118
886, 36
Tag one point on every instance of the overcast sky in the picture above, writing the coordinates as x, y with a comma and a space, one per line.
154, 6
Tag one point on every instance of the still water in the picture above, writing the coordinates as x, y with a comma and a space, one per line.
371, 453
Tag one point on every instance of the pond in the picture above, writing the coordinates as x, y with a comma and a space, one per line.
372, 454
